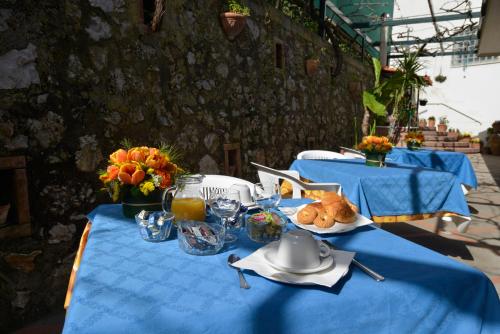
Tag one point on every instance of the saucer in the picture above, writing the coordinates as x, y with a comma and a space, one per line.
270, 257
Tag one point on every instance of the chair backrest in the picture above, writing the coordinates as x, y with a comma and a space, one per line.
352, 153
266, 178
320, 155
219, 184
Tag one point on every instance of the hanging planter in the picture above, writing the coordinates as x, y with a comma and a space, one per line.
440, 78
423, 102
234, 21
312, 66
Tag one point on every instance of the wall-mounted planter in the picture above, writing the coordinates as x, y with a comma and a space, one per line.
442, 127
312, 66
232, 24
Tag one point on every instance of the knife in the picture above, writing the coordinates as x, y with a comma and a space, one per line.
361, 266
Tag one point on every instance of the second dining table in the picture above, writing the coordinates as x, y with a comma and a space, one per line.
456, 163
397, 192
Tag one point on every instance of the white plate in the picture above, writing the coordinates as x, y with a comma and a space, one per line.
270, 257
336, 228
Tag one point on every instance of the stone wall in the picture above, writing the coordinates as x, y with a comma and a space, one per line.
79, 76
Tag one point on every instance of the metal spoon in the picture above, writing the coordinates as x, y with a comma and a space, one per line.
232, 259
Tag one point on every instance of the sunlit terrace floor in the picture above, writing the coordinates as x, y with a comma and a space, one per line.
480, 245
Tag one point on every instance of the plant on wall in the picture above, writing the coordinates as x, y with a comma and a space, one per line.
373, 99
234, 20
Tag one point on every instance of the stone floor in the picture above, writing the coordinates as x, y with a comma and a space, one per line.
480, 245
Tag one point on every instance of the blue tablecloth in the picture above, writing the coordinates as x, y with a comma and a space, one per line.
453, 162
395, 190
127, 285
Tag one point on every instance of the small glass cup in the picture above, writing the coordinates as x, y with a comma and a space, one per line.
200, 238
155, 226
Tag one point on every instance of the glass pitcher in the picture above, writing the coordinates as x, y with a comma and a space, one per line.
187, 202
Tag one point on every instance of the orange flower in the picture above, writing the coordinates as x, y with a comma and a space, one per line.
111, 174
138, 154
166, 179
131, 174
118, 157
155, 160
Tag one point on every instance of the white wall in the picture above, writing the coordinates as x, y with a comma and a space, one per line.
474, 90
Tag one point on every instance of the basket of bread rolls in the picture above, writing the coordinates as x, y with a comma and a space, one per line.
331, 209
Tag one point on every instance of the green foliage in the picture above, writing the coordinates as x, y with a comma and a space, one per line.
297, 11
373, 98
235, 7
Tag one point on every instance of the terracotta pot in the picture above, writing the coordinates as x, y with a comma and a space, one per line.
465, 140
442, 127
431, 123
312, 66
495, 144
422, 123
232, 24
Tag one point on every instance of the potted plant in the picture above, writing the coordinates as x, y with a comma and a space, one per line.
137, 176
431, 122
443, 124
465, 137
312, 63
475, 143
234, 20
375, 149
452, 134
414, 140
422, 123
440, 78
423, 102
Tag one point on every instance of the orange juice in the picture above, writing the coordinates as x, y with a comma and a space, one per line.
188, 209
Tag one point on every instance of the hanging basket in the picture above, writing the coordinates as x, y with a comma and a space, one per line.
232, 24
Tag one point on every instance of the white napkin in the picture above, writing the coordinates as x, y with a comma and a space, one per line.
327, 277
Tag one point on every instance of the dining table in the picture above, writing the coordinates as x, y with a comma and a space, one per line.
127, 285
456, 163
396, 192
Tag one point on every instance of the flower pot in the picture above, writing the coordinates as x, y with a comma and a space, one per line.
422, 123
134, 201
465, 140
413, 146
423, 102
375, 159
232, 24
312, 66
442, 127
431, 123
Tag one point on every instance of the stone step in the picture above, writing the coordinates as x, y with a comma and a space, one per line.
445, 144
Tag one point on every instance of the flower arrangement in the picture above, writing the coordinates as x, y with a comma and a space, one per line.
141, 170
375, 144
416, 138
475, 140
465, 135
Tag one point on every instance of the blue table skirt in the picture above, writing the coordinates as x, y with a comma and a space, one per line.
453, 162
395, 190
127, 285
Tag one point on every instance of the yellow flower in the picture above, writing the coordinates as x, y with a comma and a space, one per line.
147, 187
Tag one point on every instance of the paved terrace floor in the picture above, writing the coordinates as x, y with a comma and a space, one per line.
480, 245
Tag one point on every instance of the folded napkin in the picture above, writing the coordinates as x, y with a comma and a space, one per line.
327, 277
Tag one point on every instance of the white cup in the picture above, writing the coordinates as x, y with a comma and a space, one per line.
244, 190
299, 250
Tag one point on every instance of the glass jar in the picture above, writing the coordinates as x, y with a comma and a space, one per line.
187, 202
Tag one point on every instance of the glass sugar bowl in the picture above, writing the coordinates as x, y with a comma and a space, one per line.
200, 238
154, 226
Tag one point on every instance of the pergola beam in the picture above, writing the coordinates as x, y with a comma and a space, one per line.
427, 54
431, 40
417, 20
